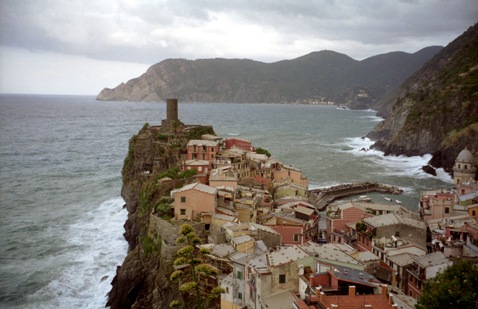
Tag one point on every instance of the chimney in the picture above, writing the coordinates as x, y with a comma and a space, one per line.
351, 290
384, 290
390, 299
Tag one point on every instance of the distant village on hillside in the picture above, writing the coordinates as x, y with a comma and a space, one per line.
262, 229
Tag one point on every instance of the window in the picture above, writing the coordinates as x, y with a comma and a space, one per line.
239, 275
296, 237
183, 211
183, 199
473, 213
239, 295
447, 210
282, 278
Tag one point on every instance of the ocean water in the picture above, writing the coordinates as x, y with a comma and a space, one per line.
62, 216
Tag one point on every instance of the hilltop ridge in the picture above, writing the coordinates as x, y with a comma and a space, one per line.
318, 76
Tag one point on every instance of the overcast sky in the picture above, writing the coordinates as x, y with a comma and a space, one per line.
82, 46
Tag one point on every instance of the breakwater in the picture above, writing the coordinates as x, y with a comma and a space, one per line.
324, 196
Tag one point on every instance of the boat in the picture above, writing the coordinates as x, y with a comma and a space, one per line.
364, 198
387, 198
398, 202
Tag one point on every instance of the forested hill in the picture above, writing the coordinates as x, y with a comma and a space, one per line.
323, 75
436, 109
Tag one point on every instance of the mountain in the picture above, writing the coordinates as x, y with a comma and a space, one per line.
318, 76
436, 109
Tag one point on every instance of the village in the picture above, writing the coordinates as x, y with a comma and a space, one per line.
262, 226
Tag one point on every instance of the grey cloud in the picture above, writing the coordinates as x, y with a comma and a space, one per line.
145, 32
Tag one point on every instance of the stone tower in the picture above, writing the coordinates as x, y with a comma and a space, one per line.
464, 169
172, 110
171, 123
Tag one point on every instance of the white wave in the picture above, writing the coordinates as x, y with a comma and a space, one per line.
96, 248
396, 165
372, 118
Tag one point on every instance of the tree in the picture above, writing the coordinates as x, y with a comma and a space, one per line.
453, 288
263, 151
191, 255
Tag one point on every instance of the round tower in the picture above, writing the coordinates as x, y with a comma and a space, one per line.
464, 169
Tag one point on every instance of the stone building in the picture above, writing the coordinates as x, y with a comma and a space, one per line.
464, 169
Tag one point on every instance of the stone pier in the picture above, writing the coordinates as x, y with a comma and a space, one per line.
323, 197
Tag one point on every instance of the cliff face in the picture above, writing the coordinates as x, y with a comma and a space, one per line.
436, 109
324, 75
142, 281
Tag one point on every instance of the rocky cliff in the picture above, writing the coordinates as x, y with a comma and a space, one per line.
324, 75
142, 281
436, 109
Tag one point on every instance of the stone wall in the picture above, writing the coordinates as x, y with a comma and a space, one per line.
169, 232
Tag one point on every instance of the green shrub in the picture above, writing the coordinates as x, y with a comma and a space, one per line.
263, 151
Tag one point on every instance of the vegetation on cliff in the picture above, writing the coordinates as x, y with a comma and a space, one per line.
191, 256
436, 109
324, 75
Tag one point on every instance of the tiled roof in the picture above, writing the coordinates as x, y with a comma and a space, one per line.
365, 256
432, 259
354, 276
256, 226
222, 250
402, 259
196, 162
258, 262
242, 239
196, 186
304, 210
391, 219
285, 254
202, 142
329, 252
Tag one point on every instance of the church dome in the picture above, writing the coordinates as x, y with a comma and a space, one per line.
465, 156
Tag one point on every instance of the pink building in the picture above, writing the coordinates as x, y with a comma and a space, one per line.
202, 150
297, 227
193, 201
337, 221
238, 143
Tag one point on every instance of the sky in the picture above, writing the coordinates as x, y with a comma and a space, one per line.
80, 47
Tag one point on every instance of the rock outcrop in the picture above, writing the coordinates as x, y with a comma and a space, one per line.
318, 76
436, 109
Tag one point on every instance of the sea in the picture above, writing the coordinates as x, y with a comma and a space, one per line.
61, 213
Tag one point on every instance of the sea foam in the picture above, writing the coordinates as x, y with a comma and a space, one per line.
96, 247
397, 165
